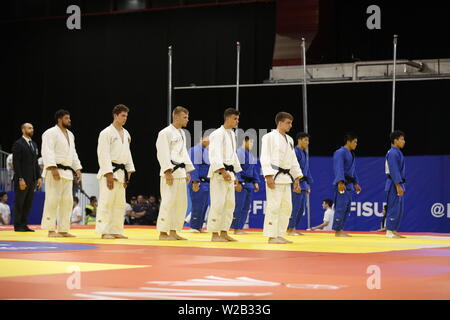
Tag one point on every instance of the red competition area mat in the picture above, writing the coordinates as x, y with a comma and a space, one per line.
316, 266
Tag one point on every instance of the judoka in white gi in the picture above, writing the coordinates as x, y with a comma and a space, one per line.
61, 165
280, 168
224, 164
116, 167
175, 167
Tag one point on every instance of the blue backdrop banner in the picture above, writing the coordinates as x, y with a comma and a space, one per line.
427, 199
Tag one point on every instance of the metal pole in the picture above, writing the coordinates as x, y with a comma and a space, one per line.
393, 83
169, 94
305, 101
238, 61
305, 121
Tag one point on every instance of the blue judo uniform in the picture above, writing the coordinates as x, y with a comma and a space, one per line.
344, 164
247, 177
199, 199
299, 199
395, 173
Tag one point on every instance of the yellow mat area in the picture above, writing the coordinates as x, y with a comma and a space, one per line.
22, 267
310, 242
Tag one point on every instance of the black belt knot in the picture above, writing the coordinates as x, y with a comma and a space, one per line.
120, 166
281, 170
229, 168
63, 167
177, 165
389, 177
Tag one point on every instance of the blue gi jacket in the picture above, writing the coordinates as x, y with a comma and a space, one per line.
344, 164
249, 165
395, 168
200, 160
303, 160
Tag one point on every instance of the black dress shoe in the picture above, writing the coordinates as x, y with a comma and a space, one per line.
20, 229
28, 229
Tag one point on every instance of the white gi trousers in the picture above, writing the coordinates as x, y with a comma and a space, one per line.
173, 205
278, 210
221, 209
111, 208
58, 204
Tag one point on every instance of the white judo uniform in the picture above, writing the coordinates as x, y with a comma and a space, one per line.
222, 151
111, 203
278, 151
58, 193
171, 150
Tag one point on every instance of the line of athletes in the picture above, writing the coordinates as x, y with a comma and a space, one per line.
285, 169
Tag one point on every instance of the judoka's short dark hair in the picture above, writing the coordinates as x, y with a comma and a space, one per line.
283, 115
119, 109
396, 135
2, 194
230, 112
61, 113
302, 135
350, 136
179, 110
329, 202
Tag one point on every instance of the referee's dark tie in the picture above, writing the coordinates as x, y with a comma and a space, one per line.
31, 145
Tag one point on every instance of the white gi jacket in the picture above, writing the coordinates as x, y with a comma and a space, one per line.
222, 150
171, 146
57, 150
111, 149
278, 150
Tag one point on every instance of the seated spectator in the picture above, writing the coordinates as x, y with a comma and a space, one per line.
91, 211
77, 214
128, 211
139, 216
5, 211
327, 217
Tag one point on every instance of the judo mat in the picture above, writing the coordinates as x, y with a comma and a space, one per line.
316, 266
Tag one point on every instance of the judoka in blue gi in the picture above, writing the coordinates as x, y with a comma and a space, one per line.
395, 184
299, 199
248, 179
199, 186
345, 182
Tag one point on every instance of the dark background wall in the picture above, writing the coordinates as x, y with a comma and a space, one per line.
123, 59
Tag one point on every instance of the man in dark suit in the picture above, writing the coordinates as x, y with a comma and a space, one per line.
27, 176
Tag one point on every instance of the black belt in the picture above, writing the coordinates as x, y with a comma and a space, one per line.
229, 168
304, 179
349, 179
120, 166
281, 170
63, 167
203, 179
177, 165
389, 177
247, 179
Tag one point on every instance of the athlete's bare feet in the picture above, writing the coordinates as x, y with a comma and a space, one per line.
120, 236
398, 234
341, 234
54, 234
108, 236
240, 231
165, 236
216, 238
67, 235
279, 240
294, 233
174, 234
225, 235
